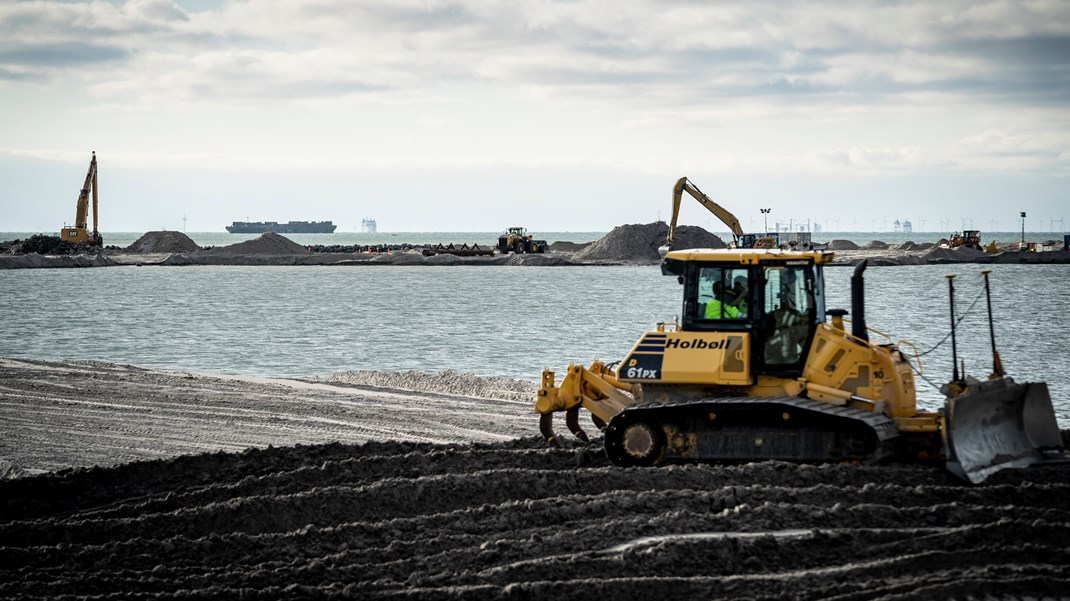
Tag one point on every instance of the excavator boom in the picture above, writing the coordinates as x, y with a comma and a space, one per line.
685, 185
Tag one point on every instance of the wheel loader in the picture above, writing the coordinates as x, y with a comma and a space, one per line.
758, 368
518, 240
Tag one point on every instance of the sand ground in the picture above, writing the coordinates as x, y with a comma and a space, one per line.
438, 487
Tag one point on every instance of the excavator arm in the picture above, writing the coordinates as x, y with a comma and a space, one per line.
81, 209
79, 232
684, 185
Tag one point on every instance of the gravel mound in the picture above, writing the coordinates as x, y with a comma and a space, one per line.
876, 245
842, 245
268, 243
447, 382
163, 242
639, 243
909, 245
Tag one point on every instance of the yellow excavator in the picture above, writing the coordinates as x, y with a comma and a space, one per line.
79, 233
739, 239
753, 371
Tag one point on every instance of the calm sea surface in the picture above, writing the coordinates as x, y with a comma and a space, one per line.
508, 321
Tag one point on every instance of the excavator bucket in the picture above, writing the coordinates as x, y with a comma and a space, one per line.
999, 424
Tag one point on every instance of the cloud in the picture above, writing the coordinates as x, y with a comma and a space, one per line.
694, 49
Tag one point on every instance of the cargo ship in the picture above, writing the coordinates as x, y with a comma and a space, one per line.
291, 227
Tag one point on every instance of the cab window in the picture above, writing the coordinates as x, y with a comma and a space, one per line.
790, 309
723, 293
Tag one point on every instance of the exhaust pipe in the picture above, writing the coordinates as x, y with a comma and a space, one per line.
858, 303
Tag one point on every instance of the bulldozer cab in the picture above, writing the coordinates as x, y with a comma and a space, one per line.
776, 299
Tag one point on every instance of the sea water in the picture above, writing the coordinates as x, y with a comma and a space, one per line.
487, 320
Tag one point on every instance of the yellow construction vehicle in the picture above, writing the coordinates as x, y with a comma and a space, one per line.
753, 371
968, 238
78, 233
739, 239
518, 240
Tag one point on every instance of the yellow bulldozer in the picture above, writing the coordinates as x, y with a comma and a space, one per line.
753, 370
79, 232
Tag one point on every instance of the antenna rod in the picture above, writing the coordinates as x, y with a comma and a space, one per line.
954, 347
997, 365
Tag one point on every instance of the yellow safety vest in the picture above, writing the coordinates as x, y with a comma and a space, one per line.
713, 310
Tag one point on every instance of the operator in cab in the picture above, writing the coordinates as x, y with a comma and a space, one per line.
718, 308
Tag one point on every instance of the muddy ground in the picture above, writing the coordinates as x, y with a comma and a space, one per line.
465, 502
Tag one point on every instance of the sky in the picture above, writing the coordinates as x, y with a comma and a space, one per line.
477, 115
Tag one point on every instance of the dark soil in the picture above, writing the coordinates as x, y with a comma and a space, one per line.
438, 487
518, 520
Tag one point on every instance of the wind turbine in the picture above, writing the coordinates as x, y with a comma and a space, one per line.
994, 223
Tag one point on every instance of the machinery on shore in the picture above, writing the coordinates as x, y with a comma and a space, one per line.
739, 239
968, 238
753, 371
79, 232
518, 240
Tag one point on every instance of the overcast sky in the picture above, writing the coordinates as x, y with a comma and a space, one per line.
469, 115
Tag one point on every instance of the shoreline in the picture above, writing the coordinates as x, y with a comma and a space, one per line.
549, 259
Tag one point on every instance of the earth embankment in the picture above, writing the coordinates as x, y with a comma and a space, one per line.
634, 244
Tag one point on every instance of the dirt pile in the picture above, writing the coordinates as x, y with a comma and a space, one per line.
842, 245
571, 247
268, 243
163, 242
639, 243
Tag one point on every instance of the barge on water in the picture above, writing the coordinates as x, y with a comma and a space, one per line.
291, 227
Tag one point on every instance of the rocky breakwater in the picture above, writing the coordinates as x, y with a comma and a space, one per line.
910, 253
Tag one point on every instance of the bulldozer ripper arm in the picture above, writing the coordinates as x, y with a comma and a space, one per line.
595, 389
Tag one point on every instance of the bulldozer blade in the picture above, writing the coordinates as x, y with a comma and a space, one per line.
998, 425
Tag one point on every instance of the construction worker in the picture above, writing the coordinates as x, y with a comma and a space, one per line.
717, 308
738, 295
